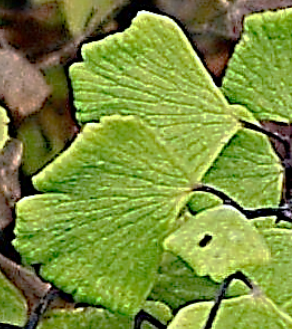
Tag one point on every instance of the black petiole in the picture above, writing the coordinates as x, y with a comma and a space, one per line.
222, 292
283, 213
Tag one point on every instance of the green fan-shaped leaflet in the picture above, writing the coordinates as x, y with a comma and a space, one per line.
218, 242
152, 71
3, 127
248, 170
247, 312
13, 307
259, 72
90, 318
275, 278
141, 72
114, 195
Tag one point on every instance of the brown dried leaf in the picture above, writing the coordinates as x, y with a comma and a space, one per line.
10, 161
22, 86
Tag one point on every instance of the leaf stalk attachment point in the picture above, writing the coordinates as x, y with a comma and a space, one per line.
285, 140
144, 316
221, 294
283, 213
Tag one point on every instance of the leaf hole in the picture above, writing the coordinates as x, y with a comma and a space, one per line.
206, 240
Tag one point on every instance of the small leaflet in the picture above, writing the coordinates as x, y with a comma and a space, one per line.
259, 72
218, 242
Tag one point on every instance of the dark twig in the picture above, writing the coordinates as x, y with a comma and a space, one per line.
222, 292
220, 194
286, 162
285, 140
282, 213
144, 316
36, 314
40, 309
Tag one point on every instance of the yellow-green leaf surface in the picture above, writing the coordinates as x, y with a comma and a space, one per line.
218, 242
113, 196
13, 307
275, 278
246, 312
249, 171
178, 284
259, 72
287, 307
91, 318
3, 127
152, 71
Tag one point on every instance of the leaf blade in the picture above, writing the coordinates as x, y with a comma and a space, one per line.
248, 170
150, 70
117, 220
218, 242
259, 72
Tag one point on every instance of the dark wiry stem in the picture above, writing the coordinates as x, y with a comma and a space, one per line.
285, 140
287, 162
144, 316
282, 213
222, 292
40, 309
